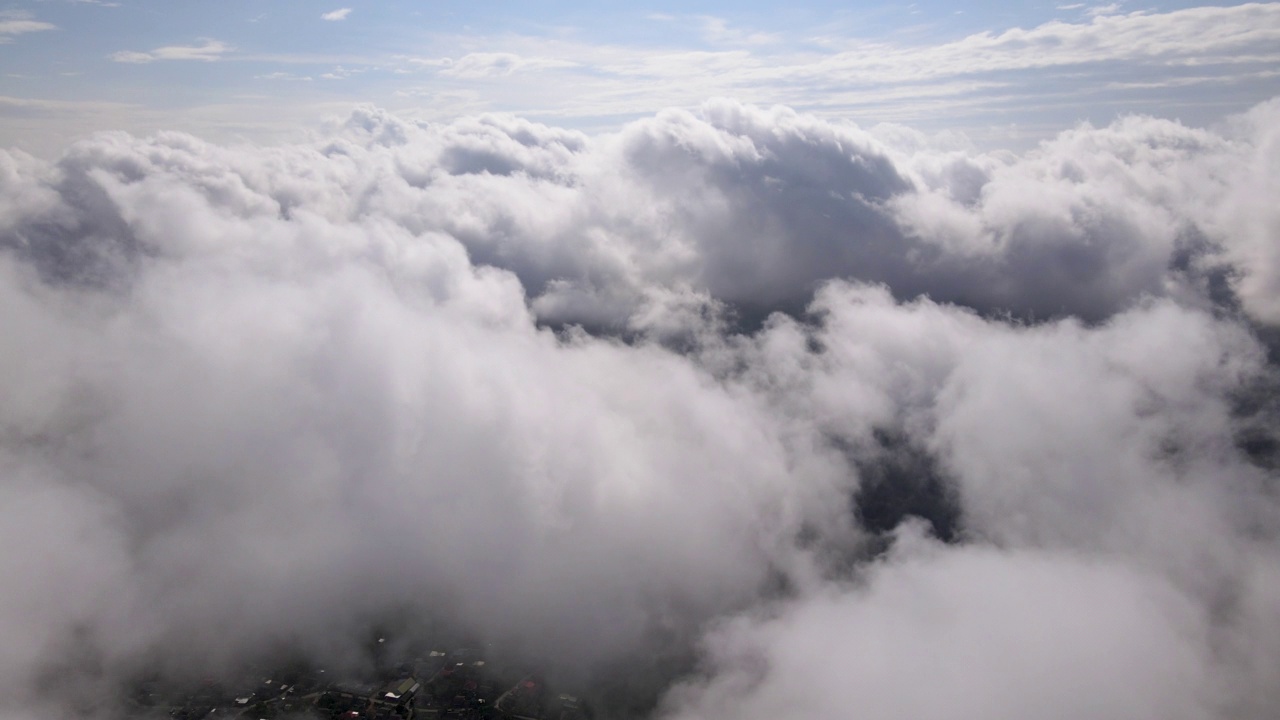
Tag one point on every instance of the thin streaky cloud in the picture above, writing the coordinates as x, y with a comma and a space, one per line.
1100, 10
10, 28
499, 64
637, 79
340, 14
210, 51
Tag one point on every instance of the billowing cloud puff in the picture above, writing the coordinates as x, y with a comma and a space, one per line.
967, 633
1084, 461
601, 399
756, 208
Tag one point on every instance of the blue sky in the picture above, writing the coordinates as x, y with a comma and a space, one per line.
1001, 73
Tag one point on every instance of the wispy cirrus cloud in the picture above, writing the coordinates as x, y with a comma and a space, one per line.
209, 51
284, 76
1054, 62
43, 109
720, 31
491, 64
1108, 9
13, 26
1041, 73
1194, 36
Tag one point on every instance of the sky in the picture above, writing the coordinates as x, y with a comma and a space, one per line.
820, 362
1009, 75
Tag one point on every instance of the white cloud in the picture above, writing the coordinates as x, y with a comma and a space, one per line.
1036, 76
13, 27
283, 76
226, 352
1053, 64
1200, 35
974, 633
209, 51
488, 65
718, 30
335, 15
68, 107
131, 56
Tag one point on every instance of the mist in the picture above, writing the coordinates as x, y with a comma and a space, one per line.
799, 417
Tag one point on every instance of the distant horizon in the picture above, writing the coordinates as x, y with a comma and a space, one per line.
253, 72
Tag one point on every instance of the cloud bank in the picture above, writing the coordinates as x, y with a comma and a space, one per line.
874, 424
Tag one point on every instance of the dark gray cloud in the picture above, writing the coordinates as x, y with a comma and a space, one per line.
260, 397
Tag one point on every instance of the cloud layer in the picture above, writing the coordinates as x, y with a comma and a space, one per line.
601, 397
1015, 77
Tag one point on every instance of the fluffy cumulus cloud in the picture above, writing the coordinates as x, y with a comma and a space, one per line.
972, 633
869, 423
